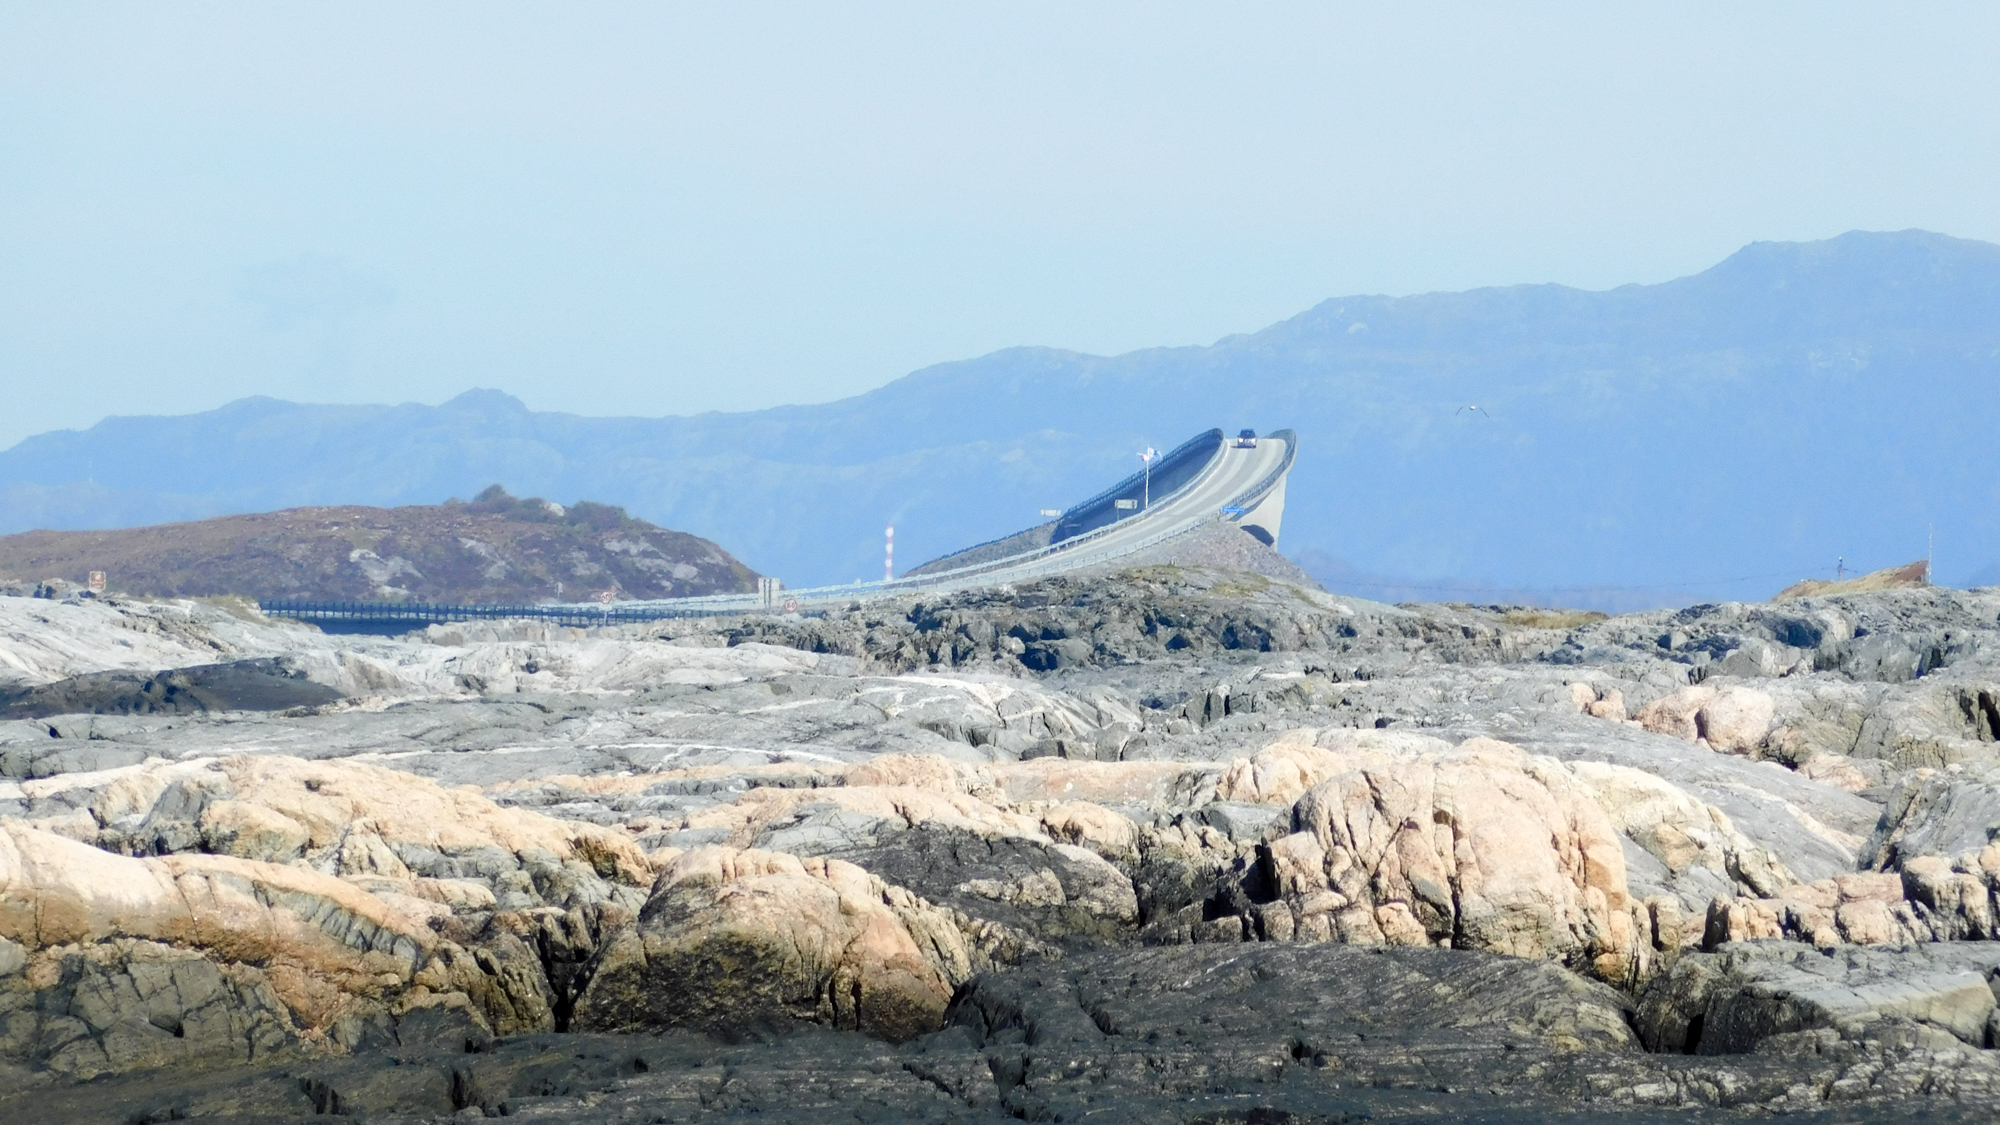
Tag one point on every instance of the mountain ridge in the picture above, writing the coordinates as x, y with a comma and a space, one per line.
1817, 400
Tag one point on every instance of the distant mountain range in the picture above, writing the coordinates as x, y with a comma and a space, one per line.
1721, 435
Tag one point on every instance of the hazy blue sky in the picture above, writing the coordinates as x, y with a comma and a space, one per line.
655, 209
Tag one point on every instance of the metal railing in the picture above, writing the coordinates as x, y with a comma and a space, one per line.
429, 613
1070, 554
1173, 531
935, 579
1271, 478
1213, 439
1070, 513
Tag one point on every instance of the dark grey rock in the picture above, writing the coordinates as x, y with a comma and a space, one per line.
1185, 666
1746, 993
820, 830
134, 1005
1187, 1036
1245, 823
1066, 896
1943, 813
1168, 1034
244, 685
59, 754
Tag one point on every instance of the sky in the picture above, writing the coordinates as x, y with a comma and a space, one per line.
664, 209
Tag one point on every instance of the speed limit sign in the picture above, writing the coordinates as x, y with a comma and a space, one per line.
791, 605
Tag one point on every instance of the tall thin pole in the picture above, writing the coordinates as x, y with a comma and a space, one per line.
889, 555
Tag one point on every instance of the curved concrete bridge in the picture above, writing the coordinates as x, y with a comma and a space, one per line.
1211, 478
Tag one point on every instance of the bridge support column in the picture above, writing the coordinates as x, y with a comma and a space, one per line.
1263, 519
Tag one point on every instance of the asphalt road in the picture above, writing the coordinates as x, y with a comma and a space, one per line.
1223, 480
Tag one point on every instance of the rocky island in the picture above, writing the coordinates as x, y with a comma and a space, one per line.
1170, 844
495, 549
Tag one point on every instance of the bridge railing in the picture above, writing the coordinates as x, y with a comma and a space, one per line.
1075, 542
1271, 478
1073, 553
426, 613
1076, 516
1069, 554
1071, 514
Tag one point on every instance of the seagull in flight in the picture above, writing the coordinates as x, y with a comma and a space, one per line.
1480, 409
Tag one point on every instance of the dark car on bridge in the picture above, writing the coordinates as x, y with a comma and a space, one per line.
1247, 439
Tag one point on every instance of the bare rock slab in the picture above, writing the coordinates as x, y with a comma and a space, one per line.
1748, 995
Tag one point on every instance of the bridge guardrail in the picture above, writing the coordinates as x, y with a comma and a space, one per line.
1103, 497
415, 613
1291, 441
1024, 562
1069, 554
1028, 569
933, 579
1212, 438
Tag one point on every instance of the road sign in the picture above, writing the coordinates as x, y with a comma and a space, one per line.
96, 581
1232, 510
1051, 513
604, 597
1125, 505
791, 605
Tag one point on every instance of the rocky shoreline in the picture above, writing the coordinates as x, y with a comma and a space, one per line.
1172, 844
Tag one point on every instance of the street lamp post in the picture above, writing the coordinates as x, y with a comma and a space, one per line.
1147, 457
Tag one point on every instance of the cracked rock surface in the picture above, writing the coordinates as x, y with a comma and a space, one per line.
1170, 844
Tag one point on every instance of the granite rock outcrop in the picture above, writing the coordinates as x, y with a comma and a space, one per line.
1117, 825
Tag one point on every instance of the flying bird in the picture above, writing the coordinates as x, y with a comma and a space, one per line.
1480, 409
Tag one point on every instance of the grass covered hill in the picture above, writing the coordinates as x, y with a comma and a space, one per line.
496, 549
